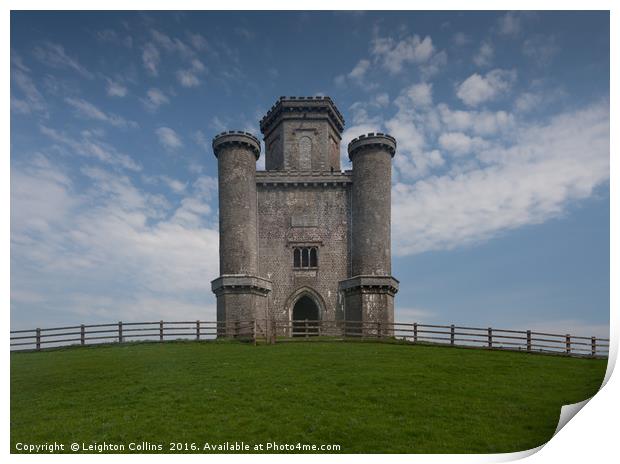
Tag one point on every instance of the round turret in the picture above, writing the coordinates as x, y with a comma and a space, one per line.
371, 156
237, 153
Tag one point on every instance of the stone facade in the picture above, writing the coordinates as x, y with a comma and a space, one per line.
302, 239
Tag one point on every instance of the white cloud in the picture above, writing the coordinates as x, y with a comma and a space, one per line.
88, 110
187, 78
484, 55
393, 55
116, 89
150, 58
421, 94
477, 89
413, 159
526, 182
54, 55
168, 138
155, 98
478, 122
460, 144
174, 184
360, 69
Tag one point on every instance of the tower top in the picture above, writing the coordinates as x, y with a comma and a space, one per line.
236, 138
302, 108
372, 140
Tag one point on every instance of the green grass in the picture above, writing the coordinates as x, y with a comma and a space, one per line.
366, 397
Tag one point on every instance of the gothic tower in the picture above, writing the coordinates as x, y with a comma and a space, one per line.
302, 239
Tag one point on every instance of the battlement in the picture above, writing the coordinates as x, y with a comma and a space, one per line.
307, 178
372, 140
287, 107
236, 138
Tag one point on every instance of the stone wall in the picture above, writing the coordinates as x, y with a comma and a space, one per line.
298, 211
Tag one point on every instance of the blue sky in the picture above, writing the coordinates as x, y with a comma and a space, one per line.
501, 180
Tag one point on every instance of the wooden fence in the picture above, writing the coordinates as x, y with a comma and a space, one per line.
288, 331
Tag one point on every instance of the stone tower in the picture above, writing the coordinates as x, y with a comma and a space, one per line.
303, 240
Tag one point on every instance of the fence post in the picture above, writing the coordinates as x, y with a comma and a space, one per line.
82, 335
274, 331
567, 343
254, 333
415, 332
529, 340
490, 337
161, 331
236, 329
452, 334
593, 346
120, 331
197, 330
306, 327
38, 339
378, 329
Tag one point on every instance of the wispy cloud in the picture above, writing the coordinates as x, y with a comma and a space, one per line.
88, 110
189, 77
484, 55
54, 55
155, 98
116, 89
541, 48
90, 145
509, 24
171, 44
168, 138
113, 37
201, 140
150, 59
32, 101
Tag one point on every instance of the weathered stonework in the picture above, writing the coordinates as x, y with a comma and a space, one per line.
303, 231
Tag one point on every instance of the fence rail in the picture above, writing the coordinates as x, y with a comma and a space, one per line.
273, 331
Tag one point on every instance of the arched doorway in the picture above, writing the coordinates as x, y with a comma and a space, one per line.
305, 317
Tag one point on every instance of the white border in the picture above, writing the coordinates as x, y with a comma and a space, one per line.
590, 436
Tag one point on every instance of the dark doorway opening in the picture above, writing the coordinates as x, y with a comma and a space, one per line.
305, 317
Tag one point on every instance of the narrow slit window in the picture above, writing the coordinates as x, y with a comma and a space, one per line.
304, 257
297, 258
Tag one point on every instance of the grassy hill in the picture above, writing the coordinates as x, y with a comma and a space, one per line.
365, 397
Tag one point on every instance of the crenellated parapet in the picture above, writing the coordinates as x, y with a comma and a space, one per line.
294, 106
302, 134
236, 139
378, 141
